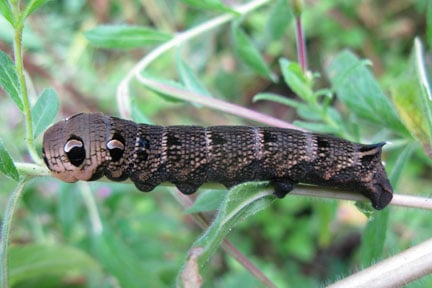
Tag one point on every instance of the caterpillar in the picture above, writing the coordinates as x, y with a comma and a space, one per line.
88, 146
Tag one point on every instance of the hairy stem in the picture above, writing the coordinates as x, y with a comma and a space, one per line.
23, 86
5, 231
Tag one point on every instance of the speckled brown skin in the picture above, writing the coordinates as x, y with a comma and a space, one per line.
88, 146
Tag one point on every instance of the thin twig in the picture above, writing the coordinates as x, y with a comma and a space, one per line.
393, 272
214, 103
34, 170
301, 44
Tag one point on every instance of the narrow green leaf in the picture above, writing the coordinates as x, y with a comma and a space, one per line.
138, 116
296, 79
402, 160
32, 6
6, 11
249, 54
309, 113
44, 111
209, 200
278, 99
359, 91
429, 23
7, 165
167, 84
279, 19
123, 263
411, 94
241, 201
373, 238
317, 127
189, 79
9, 79
39, 260
210, 5
124, 37
425, 95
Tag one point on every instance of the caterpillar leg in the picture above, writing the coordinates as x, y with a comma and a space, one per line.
186, 188
282, 187
145, 187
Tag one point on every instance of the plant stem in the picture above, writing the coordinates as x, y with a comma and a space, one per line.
404, 267
213, 103
301, 45
5, 231
90, 203
23, 86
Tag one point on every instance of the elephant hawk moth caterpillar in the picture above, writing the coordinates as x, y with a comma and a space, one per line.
88, 146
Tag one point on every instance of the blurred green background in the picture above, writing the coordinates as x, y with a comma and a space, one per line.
298, 242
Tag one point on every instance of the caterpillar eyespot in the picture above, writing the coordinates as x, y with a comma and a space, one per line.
89, 145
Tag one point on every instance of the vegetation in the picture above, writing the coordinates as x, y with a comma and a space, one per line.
355, 69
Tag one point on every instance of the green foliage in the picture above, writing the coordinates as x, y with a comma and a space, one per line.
124, 37
278, 20
241, 202
413, 99
359, 91
36, 262
189, 79
209, 200
113, 236
248, 53
9, 79
210, 5
6, 11
44, 111
7, 166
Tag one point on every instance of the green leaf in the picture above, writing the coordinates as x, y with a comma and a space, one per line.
249, 54
402, 160
211, 5
9, 79
317, 127
209, 200
32, 6
138, 116
296, 79
6, 11
44, 111
124, 37
164, 84
39, 261
241, 201
122, 262
374, 237
412, 97
359, 91
278, 99
429, 23
7, 165
190, 79
279, 18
